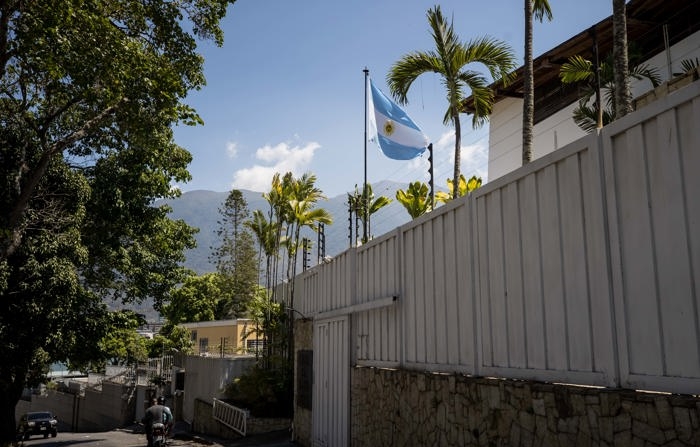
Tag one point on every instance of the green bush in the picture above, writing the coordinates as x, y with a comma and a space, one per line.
265, 392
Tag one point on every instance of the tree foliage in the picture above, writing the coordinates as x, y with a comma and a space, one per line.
236, 258
364, 204
465, 187
452, 60
580, 70
122, 345
194, 300
266, 388
415, 199
89, 93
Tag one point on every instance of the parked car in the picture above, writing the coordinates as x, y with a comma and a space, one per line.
37, 423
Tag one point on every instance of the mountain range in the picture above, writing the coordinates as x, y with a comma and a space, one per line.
200, 209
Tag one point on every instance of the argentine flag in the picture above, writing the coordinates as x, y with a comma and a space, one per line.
392, 129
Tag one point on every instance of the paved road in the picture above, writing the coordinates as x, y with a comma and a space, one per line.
134, 437
115, 438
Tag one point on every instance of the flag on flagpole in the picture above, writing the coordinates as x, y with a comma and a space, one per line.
392, 129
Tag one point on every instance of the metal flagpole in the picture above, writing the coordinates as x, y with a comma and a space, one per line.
365, 205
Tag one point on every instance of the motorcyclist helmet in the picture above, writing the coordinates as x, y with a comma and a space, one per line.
161, 400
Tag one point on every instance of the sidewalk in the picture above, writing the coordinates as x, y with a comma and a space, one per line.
280, 438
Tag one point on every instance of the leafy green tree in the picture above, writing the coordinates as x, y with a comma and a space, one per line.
89, 94
236, 260
123, 345
177, 339
195, 300
464, 188
415, 199
580, 70
539, 9
449, 60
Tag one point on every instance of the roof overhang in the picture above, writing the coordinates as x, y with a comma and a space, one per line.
646, 20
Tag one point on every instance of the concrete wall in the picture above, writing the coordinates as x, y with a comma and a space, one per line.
203, 421
399, 407
107, 408
206, 378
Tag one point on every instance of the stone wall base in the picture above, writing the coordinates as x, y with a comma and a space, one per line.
399, 408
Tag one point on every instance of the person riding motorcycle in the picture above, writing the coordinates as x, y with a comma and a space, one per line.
157, 413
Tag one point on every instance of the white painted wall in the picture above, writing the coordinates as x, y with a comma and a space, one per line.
505, 129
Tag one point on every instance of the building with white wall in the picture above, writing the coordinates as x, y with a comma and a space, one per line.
664, 31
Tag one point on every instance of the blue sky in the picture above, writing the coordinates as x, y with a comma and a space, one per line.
286, 90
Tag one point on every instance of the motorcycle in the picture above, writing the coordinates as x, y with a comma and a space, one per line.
160, 435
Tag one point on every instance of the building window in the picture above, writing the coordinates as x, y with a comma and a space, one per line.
305, 365
194, 336
203, 345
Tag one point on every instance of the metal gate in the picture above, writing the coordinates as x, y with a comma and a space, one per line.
331, 390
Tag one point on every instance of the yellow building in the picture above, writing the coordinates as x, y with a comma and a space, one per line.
224, 337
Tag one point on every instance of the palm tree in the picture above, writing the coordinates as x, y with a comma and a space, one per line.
578, 69
623, 92
268, 236
358, 202
539, 9
266, 233
449, 60
415, 199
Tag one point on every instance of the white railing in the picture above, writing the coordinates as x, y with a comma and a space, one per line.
160, 367
233, 417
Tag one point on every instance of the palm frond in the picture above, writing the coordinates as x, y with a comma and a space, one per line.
644, 71
496, 55
541, 9
576, 69
407, 69
688, 65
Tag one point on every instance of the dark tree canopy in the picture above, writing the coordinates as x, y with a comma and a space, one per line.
89, 93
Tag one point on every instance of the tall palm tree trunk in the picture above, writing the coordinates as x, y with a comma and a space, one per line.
529, 93
623, 90
458, 150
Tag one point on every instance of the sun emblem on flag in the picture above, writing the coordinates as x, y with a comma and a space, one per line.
389, 127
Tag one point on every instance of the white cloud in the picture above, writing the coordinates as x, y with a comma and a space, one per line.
231, 149
446, 140
474, 156
280, 158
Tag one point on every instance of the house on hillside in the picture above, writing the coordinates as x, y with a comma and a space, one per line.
664, 32
224, 337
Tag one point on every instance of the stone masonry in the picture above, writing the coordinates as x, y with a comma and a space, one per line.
409, 408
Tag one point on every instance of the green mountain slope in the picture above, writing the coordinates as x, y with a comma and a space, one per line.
201, 209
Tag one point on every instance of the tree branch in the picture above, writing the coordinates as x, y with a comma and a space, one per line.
35, 175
